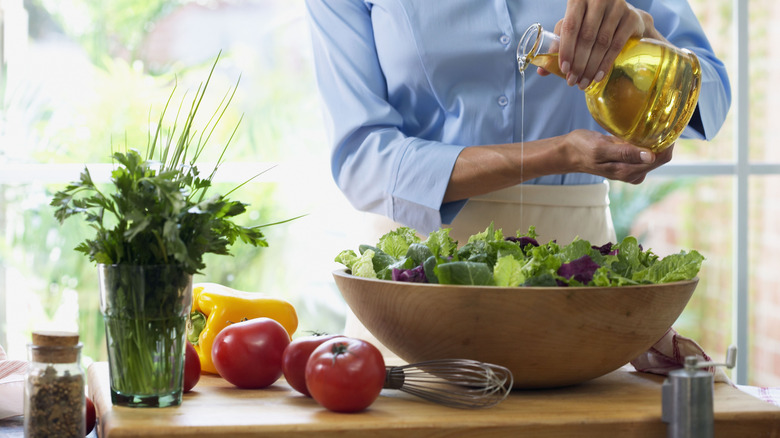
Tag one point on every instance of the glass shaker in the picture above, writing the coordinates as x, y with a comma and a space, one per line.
54, 398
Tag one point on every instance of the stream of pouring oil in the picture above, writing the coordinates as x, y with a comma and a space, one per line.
522, 142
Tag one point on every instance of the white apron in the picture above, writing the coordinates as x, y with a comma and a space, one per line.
559, 213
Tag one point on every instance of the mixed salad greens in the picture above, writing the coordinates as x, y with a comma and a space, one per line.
490, 259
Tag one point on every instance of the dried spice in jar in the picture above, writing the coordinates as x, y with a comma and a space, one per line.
54, 404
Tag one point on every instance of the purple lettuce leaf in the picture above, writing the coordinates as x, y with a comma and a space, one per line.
414, 275
523, 241
581, 269
605, 249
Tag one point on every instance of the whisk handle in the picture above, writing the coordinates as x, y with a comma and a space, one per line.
394, 378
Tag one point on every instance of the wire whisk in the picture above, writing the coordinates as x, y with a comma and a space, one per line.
459, 383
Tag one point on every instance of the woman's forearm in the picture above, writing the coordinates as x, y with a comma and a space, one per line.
483, 169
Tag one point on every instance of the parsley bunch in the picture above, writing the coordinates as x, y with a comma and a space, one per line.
160, 211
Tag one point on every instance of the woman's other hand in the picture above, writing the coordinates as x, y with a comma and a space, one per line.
607, 156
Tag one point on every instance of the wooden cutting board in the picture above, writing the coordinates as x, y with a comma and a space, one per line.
623, 403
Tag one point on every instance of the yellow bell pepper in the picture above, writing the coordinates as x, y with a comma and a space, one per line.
215, 306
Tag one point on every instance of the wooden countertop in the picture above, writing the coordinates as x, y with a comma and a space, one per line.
623, 403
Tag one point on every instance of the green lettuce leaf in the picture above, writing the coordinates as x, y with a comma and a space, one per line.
440, 243
381, 260
419, 252
364, 266
347, 258
471, 273
530, 233
543, 280
396, 242
429, 266
508, 272
674, 267
489, 235
543, 261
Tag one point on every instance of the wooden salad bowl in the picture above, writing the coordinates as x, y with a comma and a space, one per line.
547, 336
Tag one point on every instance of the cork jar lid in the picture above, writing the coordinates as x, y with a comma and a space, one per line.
55, 346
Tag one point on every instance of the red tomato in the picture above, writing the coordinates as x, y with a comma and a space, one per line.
90, 417
191, 367
295, 357
345, 374
248, 354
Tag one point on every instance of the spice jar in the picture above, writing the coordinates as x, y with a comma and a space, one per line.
54, 402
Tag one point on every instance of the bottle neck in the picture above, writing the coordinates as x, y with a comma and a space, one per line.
537, 45
528, 47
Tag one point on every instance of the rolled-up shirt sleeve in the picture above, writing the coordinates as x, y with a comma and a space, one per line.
376, 166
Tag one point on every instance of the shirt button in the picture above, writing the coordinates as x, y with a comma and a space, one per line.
504, 39
503, 101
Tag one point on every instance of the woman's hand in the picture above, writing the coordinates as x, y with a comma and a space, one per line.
593, 32
484, 169
607, 156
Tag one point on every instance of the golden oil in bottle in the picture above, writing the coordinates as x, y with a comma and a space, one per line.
647, 98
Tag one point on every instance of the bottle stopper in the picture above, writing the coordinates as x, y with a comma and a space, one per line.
55, 346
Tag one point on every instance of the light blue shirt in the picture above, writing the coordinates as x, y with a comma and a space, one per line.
407, 84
